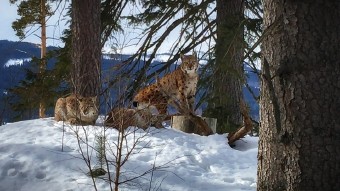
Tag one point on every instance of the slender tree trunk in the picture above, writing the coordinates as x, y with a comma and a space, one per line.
86, 49
42, 105
299, 145
228, 68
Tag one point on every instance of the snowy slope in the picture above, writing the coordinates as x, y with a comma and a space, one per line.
31, 159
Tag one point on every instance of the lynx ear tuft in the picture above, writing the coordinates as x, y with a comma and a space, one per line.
94, 99
182, 56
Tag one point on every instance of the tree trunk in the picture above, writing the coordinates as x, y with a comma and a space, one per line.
228, 68
86, 49
42, 105
300, 87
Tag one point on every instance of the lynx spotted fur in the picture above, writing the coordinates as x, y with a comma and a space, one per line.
122, 118
177, 88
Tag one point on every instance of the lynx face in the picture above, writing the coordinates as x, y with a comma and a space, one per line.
87, 106
189, 64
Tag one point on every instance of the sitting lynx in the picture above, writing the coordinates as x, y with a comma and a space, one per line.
177, 88
124, 118
77, 110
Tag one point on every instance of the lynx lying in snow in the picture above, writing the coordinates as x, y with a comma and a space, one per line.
77, 110
122, 118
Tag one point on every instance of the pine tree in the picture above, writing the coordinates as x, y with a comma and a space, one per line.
25, 97
34, 12
58, 72
227, 70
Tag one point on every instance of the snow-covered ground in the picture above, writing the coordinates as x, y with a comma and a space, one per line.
31, 159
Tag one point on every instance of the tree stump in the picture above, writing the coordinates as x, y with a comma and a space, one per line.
194, 124
212, 122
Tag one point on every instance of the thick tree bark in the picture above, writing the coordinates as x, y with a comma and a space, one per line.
228, 68
300, 87
86, 48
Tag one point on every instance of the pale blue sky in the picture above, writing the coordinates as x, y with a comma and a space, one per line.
9, 14
56, 24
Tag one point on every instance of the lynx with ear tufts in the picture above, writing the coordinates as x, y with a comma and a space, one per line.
77, 110
177, 88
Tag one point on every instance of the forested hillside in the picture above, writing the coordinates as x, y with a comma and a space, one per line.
17, 56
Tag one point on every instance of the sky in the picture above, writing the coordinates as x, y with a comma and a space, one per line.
56, 26
122, 43
9, 14
31, 158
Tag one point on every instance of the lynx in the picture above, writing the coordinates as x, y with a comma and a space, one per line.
177, 88
123, 118
77, 110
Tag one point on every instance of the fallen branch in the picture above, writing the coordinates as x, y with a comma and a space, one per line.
243, 130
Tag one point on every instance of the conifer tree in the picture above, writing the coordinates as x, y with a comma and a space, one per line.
226, 91
34, 12
56, 80
25, 97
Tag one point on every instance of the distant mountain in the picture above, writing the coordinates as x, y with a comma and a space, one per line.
15, 58
17, 50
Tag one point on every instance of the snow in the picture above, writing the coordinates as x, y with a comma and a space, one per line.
203, 62
14, 62
162, 57
31, 159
